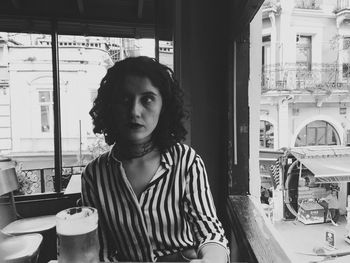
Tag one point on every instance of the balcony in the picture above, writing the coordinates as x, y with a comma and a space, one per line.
308, 4
36, 181
270, 6
342, 11
312, 78
342, 5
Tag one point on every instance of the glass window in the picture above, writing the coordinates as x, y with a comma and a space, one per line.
28, 134
266, 135
303, 52
317, 133
46, 111
345, 56
27, 102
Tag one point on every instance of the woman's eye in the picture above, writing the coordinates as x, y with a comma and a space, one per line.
147, 99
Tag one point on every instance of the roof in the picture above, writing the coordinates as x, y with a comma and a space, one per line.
127, 18
118, 18
328, 163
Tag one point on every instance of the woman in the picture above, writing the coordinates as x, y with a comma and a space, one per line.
151, 191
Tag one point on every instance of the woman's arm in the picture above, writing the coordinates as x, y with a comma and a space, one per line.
208, 230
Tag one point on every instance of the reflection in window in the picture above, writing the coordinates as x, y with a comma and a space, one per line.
266, 135
317, 133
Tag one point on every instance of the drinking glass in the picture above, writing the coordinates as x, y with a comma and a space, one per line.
77, 239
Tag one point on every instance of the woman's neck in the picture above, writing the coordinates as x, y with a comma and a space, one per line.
129, 150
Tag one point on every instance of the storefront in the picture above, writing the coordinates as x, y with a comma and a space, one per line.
308, 174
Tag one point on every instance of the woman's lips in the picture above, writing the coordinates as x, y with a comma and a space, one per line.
135, 126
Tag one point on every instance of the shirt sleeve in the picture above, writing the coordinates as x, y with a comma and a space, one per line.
201, 209
89, 198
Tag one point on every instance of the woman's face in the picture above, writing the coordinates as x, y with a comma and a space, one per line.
137, 109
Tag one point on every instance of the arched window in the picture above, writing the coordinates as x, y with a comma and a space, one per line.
266, 134
317, 133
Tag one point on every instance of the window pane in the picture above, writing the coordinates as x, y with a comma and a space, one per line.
311, 136
26, 136
318, 133
332, 136
321, 136
301, 138
303, 52
166, 52
44, 96
45, 118
82, 66
266, 135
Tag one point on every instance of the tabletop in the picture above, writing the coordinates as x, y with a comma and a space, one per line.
55, 261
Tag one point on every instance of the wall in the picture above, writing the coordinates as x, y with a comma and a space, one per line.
254, 104
202, 46
81, 71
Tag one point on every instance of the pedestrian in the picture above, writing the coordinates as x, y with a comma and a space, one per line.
332, 206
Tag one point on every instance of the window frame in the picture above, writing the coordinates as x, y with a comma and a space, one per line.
328, 128
265, 136
307, 48
56, 102
50, 106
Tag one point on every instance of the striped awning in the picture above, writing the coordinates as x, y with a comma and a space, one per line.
329, 164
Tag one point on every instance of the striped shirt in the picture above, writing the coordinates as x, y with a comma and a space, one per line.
174, 212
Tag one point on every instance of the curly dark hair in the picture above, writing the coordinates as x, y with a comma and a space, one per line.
170, 128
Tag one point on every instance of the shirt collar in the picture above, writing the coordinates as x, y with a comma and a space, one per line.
166, 158
111, 155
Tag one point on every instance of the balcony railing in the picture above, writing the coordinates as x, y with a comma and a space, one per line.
37, 181
312, 77
308, 4
342, 4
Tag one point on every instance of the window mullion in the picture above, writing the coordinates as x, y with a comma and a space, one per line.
56, 108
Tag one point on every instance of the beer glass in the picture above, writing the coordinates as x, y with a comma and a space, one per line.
77, 239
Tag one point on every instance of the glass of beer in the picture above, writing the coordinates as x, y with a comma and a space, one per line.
77, 239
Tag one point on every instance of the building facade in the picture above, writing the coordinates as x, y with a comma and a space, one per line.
305, 95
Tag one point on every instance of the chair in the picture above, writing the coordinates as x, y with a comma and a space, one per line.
41, 224
20, 249
9, 183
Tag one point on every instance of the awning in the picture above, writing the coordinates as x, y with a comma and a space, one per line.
329, 164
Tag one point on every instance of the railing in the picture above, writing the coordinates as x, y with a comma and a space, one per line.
35, 181
312, 77
308, 4
253, 238
342, 4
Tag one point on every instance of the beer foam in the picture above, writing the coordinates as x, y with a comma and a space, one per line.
82, 221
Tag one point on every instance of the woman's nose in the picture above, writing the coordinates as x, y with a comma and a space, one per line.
136, 108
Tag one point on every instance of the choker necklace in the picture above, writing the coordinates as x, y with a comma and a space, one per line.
131, 151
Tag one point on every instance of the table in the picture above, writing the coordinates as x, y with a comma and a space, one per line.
55, 261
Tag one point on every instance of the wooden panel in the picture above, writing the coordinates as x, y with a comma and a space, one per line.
203, 43
257, 242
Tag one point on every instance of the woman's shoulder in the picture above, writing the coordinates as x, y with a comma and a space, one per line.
180, 152
103, 158
182, 148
